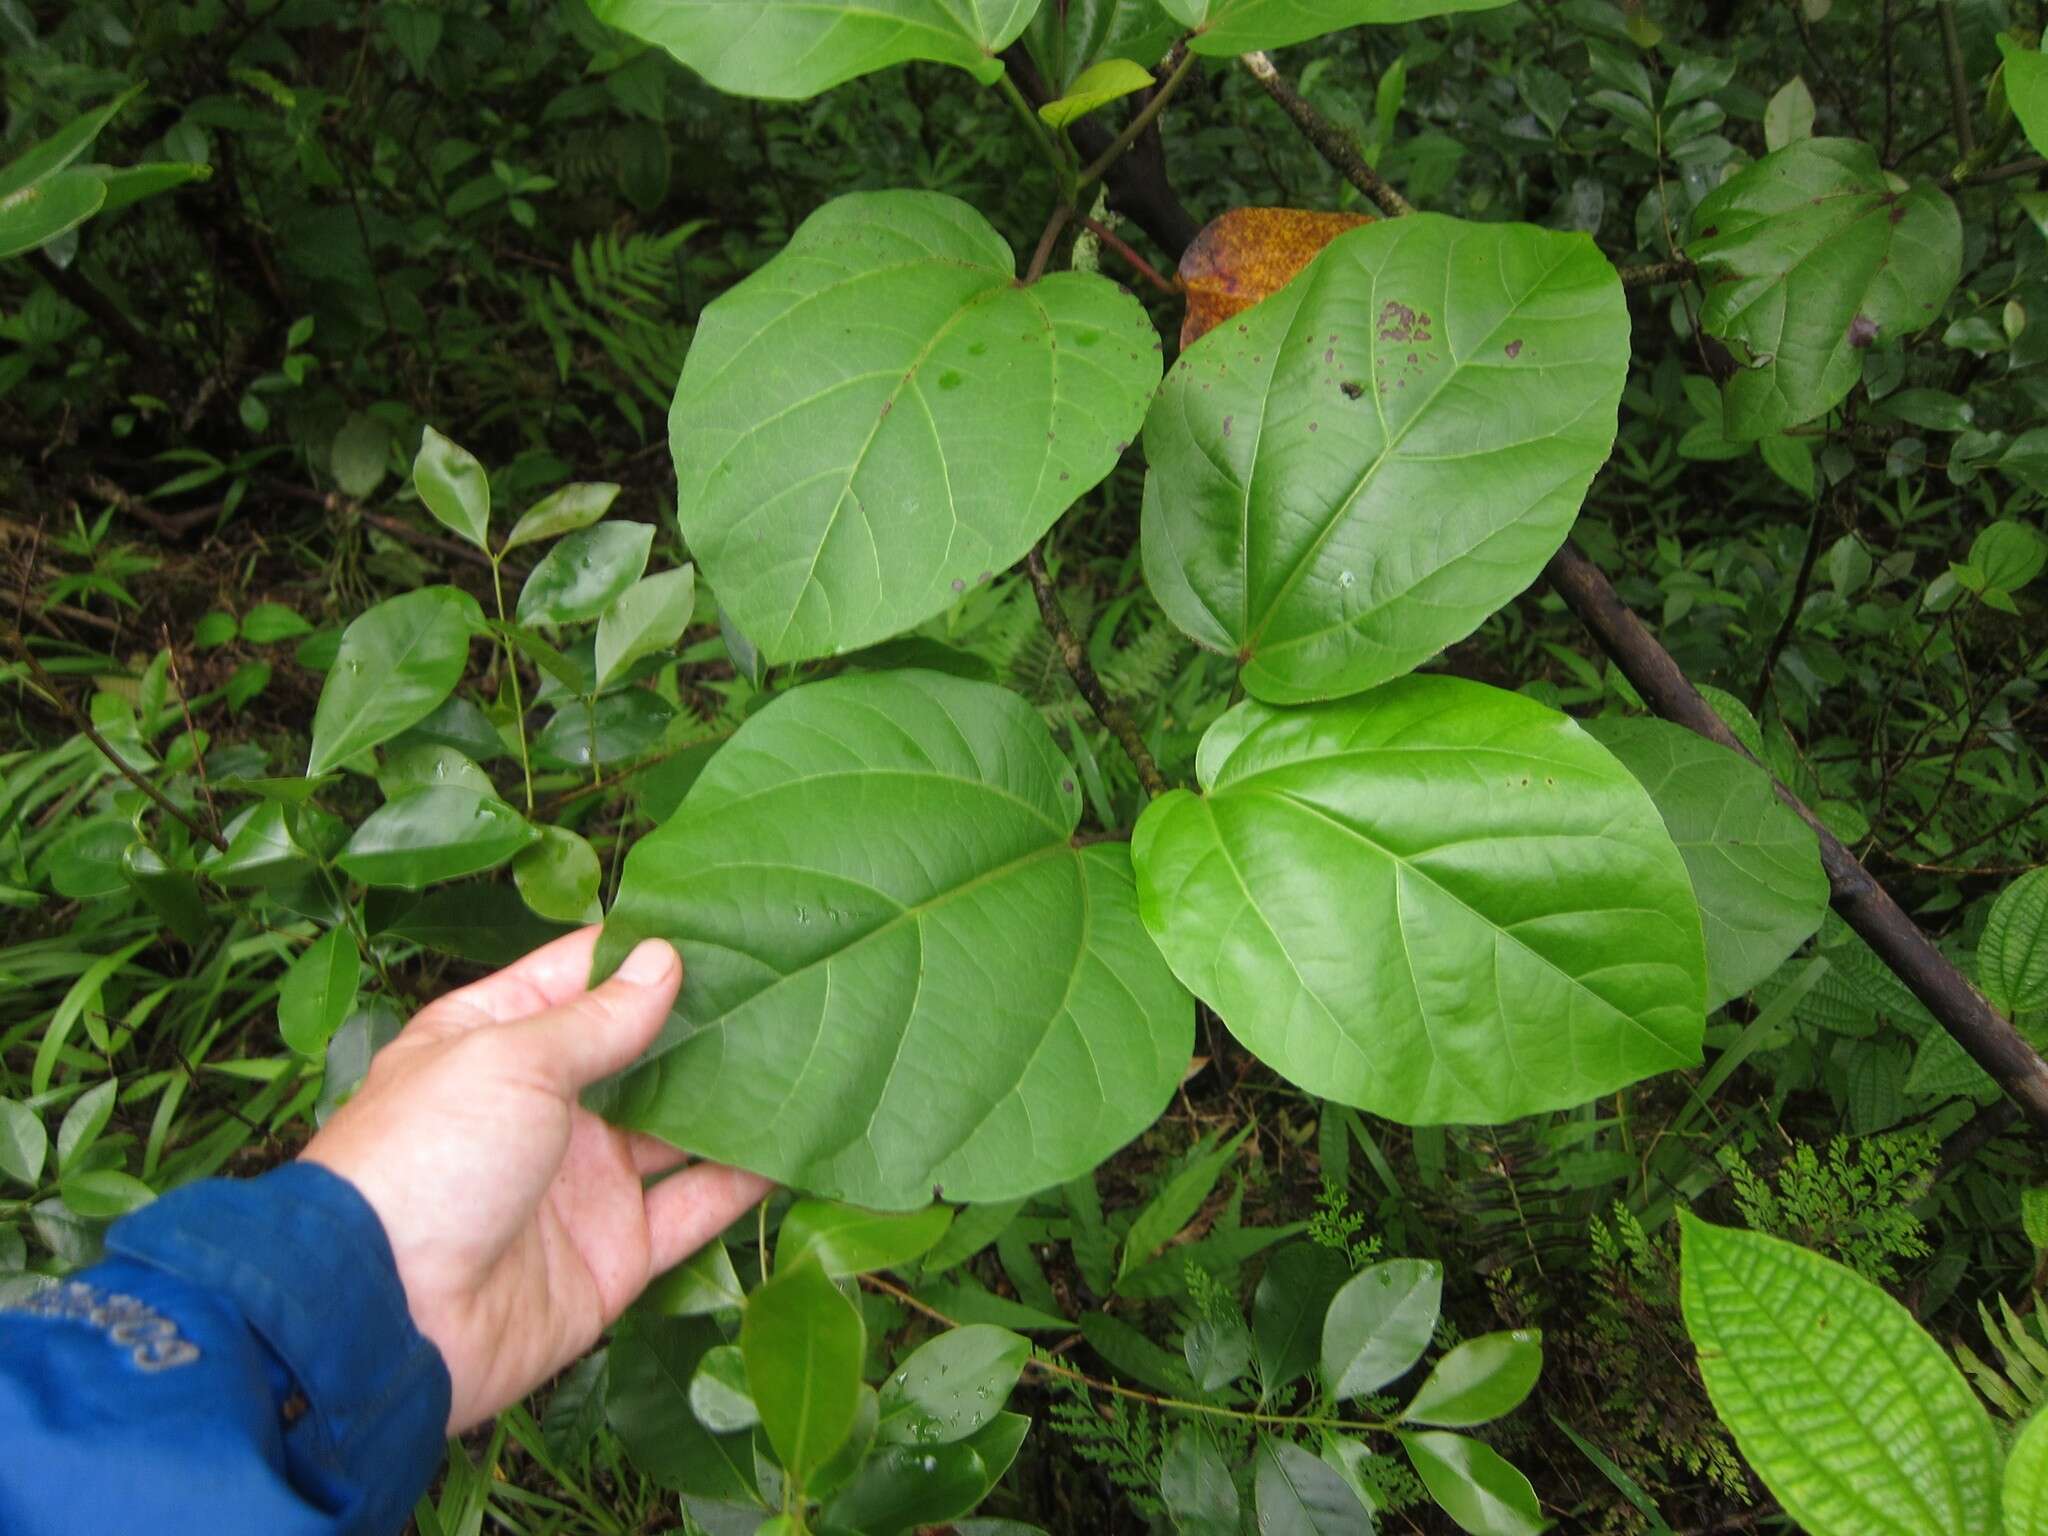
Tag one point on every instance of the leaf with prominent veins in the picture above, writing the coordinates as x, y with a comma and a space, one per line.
883, 417
899, 972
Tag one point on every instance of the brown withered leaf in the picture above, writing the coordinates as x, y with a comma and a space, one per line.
1247, 254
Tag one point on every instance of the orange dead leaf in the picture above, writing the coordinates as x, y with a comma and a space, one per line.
1248, 254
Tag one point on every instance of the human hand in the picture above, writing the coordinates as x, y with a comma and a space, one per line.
517, 1217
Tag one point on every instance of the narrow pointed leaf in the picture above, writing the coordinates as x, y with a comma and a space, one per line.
454, 487
1853, 1417
1470, 369
1808, 258
1755, 866
882, 417
837, 880
1438, 902
564, 511
319, 991
62, 147
790, 49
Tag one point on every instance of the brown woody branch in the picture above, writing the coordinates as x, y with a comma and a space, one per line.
1330, 141
1075, 655
1863, 904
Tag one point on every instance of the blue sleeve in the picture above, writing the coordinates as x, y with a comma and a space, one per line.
242, 1364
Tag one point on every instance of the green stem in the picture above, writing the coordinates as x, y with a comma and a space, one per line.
357, 931
518, 705
1137, 125
1062, 168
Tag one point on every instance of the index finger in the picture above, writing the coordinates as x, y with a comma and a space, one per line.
548, 977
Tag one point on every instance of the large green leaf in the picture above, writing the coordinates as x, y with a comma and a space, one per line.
2012, 961
1238, 26
898, 970
1359, 470
796, 48
1809, 257
2026, 88
397, 662
2026, 1478
803, 1343
1849, 1412
882, 417
1755, 866
1437, 902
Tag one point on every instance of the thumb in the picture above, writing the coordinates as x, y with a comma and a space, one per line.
602, 1031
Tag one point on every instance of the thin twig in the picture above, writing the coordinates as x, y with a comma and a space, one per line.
1676, 270
1330, 141
1958, 81
1144, 268
1075, 655
2033, 165
1762, 688
1056, 222
1147, 115
191, 731
81, 723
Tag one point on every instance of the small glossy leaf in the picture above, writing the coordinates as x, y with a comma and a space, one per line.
1853, 1417
1474, 369
1249, 254
704, 1282
2012, 960
83, 1122
1438, 901
429, 835
901, 1487
101, 1194
627, 724
1196, 1486
37, 215
1096, 86
423, 765
882, 417
851, 1241
1226, 27
564, 511
1755, 866
1299, 1494
1474, 1486
647, 1401
319, 991
2026, 87
1288, 1308
836, 880
454, 487
792, 49
1379, 1324
719, 1394
803, 1343
24, 1144
1808, 258
397, 662
585, 573
2026, 1465
260, 851
649, 616
951, 1385
559, 876
1480, 1380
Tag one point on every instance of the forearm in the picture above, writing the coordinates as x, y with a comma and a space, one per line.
242, 1362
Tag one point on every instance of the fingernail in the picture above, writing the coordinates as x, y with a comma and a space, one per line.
650, 962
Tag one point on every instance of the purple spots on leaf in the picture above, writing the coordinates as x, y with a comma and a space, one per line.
1514, 349
1862, 331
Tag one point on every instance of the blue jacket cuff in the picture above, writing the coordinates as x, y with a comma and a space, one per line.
301, 1255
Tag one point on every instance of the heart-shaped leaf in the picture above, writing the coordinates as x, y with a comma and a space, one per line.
837, 881
791, 49
1437, 901
1851, 1414
397, 662
1358, 471
882, 417
1808, 258
1226, 27
1755, 866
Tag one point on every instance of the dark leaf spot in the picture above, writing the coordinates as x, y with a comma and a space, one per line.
1514, 348
1862, 331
